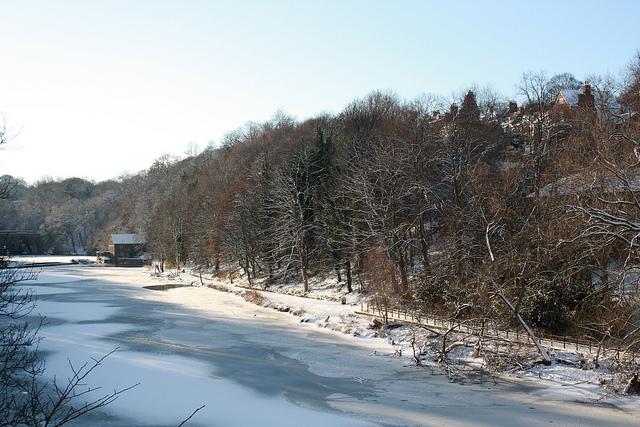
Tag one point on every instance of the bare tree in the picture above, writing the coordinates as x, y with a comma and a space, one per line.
295, 228
610, 210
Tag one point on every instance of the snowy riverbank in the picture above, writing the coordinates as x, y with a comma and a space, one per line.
194, 345
563, 381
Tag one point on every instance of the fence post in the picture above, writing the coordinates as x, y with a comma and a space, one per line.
564, 342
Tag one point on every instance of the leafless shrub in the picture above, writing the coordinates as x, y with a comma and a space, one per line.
254, 297
382, 281
26, 397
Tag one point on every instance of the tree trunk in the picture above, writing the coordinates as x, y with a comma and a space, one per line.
347, 267
270, 274
403, 271
305, 279
247, 270
543, 352
423, 246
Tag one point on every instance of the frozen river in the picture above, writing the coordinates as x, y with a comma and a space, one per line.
252, 366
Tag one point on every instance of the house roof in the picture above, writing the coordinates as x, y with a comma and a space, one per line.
127, 239
581, 183
570, 96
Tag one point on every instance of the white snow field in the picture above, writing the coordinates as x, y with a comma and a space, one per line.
250, 365
31, 259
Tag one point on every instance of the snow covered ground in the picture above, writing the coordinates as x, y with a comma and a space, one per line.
255, 364
321, 307
40, 259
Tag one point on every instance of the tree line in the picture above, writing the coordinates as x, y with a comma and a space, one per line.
445, 208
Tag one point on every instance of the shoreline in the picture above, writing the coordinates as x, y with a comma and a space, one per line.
554, 382
340, 327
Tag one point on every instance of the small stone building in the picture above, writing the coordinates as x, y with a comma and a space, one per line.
126, 245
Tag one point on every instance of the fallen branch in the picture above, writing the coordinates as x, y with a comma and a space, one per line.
191, 416
455, 345
545, 356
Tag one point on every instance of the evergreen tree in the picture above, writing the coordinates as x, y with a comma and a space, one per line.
469, 111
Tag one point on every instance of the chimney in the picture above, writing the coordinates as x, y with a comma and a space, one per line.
586, 98
453, 110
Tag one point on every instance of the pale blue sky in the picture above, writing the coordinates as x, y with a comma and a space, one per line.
96, 88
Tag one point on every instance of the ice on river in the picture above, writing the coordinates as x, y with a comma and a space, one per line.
254, 366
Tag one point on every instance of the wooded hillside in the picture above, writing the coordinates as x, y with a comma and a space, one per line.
417, 202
